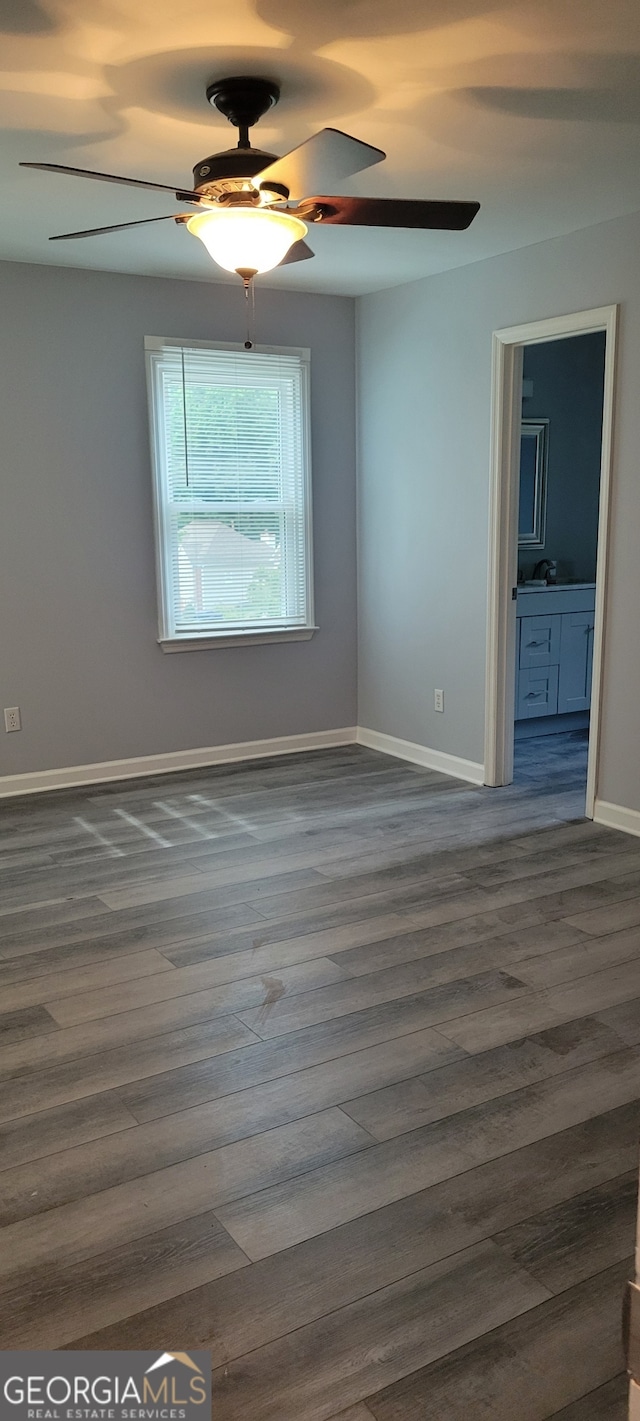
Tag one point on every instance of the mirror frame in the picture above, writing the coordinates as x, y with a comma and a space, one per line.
536, 430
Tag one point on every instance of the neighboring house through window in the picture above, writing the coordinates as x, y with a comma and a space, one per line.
230, 449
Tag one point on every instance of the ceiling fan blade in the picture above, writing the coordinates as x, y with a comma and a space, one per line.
116, 227
388, 212
182, 194
299, 252
327, 157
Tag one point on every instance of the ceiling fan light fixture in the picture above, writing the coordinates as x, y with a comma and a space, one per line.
246, 239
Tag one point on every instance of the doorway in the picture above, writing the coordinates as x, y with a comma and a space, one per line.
526, 682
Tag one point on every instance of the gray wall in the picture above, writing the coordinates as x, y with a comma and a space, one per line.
77, 586
425, 389
568, 386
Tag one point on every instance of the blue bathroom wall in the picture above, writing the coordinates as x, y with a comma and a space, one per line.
568, 384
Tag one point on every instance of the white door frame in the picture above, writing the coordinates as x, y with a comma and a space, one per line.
506, 409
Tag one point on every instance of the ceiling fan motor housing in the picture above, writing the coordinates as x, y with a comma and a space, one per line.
230, 171
243, 101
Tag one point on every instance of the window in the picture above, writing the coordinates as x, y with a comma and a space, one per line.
229, 435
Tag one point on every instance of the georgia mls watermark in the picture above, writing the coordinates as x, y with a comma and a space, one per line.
105, 1386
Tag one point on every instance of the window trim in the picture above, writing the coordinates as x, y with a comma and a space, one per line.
234, 636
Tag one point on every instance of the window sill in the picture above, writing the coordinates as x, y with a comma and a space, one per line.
249, 638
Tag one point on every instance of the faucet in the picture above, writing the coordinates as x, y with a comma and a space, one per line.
545, 570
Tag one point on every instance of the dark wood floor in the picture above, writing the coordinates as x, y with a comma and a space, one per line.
331, 1065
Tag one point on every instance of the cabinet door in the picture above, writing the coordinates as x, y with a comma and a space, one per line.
576, 661
518, 633
537, 692
540, 640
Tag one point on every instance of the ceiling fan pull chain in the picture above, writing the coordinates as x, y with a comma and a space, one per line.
248, 341
251, 312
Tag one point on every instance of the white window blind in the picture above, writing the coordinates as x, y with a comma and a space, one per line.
229, 433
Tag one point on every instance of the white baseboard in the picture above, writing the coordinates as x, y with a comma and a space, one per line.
38, 780
421, 755
615, 816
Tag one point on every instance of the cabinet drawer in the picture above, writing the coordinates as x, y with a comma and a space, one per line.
537, 692
540, 640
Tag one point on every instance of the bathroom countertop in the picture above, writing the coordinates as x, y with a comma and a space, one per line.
553, 587
565, 597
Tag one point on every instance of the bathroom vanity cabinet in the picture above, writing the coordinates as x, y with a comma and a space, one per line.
554, 632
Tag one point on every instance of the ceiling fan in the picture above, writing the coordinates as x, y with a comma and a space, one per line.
253, 207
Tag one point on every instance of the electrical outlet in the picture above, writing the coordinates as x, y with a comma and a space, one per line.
12, 719
438, 700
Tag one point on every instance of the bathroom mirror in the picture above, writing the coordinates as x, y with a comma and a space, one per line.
532, 510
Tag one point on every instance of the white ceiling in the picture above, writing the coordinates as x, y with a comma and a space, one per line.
532, 108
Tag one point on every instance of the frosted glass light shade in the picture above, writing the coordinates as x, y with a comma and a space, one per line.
246, 238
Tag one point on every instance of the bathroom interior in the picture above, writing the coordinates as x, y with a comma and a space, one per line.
560, 457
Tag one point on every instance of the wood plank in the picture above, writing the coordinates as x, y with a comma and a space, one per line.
441, 882
61, 959
355, 1413
463, 1084
297, 1050
205, 906
186, 999
228, 969
487, 929
21, 1025
408, 910
548, 858
609, 1403
584, 831
288, 940
505, 951
329, 1196
548, 1358
624, 1020
85, 1074
72, 981
449, 1000
229, 780
25, 859
184, 885
577, 1238
68, 910
609, 919
99, 1164
51, 1131
581, 959
566, 894
546, 1007
48, 1305
282, 1055
233, 857
155, 934
375, 1340
447, 846
541, 906
401, 860
299, 1285
299, 847
115, 1216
